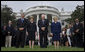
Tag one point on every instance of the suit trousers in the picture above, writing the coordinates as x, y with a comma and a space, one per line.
20, 41
43, 39
8, 41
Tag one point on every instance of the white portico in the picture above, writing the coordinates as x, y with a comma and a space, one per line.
49, 11
37, 10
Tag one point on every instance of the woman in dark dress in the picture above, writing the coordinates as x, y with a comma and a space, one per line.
56, 30
31, 28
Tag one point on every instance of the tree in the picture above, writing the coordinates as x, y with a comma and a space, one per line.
68, 20
77, 13
6, 14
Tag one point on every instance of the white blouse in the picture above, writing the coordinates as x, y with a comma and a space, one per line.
68, 32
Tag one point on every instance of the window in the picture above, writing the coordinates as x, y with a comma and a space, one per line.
62, 22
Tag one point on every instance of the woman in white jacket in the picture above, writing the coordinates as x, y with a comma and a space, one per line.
68, 33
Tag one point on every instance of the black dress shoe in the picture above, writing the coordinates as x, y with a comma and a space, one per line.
22, 47
45, 47
17, 47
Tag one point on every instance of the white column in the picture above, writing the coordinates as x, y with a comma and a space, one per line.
38, 29
45, 16
59, 19
37, 22
52, 18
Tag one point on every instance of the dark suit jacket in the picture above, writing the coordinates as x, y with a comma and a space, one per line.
79, 26
31, 27
46, 24
3, 32
10, 29
22, 25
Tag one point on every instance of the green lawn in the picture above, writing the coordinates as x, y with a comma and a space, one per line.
37, 48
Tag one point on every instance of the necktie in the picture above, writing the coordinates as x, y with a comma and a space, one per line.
22, 20
9, 25
43, 21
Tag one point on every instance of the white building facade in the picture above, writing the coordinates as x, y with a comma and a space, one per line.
49, 11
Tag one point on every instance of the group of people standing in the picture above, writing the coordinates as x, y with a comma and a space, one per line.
29, 26
72, 35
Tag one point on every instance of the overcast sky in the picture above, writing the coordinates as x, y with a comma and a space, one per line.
18, 5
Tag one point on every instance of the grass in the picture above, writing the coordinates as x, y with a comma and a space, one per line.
37, 48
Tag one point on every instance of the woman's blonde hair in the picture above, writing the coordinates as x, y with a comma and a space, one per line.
55, 18
31, 17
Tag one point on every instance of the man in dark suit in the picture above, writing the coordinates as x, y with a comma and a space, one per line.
43, 30
3, 35
9, 30
14, 37
21, 25
77, 28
